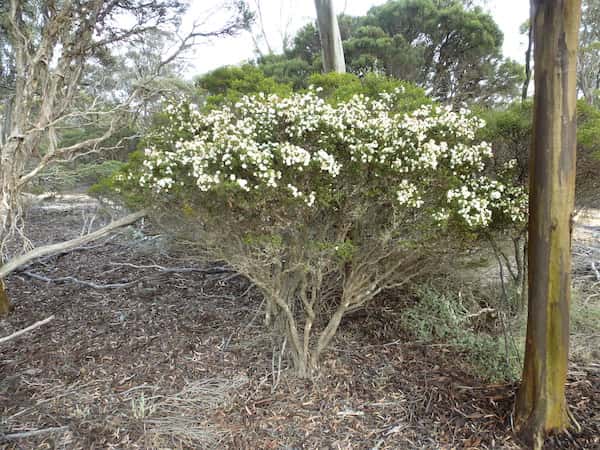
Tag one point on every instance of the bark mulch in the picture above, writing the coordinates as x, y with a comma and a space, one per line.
179, 359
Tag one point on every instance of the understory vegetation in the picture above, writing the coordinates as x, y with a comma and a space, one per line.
327, 197
364, 236
489, 339
489, 332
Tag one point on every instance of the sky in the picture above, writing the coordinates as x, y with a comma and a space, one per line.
281, 15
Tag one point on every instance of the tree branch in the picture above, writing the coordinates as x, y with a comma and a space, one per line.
89, 284
17, 262
23, 331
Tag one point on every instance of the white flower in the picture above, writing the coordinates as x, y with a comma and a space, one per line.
407, 194
243, 184
301, 146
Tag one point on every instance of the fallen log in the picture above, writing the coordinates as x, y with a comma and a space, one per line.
46, 250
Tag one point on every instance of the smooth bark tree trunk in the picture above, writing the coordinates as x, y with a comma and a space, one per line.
541, 404
5, 305
332, 50
525, 88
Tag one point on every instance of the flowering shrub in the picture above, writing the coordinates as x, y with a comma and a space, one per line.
303, 148
323, 206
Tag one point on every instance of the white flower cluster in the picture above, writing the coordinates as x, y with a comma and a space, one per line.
476, 201
302, 146
407, 194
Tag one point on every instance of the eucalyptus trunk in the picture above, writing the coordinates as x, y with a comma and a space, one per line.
5, 305
332, 50
541, 404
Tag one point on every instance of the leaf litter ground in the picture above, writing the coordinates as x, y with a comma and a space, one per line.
179, 359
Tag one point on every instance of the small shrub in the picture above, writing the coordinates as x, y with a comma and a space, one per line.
585, 317
321, 205
585, 324
227, 85
445, 318
69, 176
342, 87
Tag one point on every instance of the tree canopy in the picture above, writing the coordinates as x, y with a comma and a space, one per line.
450, 49
588, 64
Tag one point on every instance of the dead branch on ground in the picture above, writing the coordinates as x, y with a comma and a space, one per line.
26, 330
32, 433
210, 271
46, 250
90, 284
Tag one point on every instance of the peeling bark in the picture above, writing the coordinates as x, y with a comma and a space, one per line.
541, 404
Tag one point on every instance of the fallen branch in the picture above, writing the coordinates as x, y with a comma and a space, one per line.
42, 260
19, 261
210, 271
90, 284
163, 270
26, 434
480, 313
26, 330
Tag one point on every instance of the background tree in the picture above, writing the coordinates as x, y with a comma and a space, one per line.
331, 40
288, 70
48, 53
370, 48
7, 77
541, 403
588, 64
451, 48
266, 40
460, 47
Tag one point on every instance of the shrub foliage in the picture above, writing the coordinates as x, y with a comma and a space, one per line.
322, 204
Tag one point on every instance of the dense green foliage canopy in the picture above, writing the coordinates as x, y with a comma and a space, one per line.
510, 132
451, 50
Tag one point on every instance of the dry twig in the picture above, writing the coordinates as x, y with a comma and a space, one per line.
210, 271
26, 330
82, 282
32, 433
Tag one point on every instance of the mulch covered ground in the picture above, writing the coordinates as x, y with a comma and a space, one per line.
179, 359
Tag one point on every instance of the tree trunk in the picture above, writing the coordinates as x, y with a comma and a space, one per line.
541, 405
332, 50
525, 88
5, 305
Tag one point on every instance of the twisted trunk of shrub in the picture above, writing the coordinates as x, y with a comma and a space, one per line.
295, 299
12, 164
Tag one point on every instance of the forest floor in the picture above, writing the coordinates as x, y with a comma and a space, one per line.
180, 359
